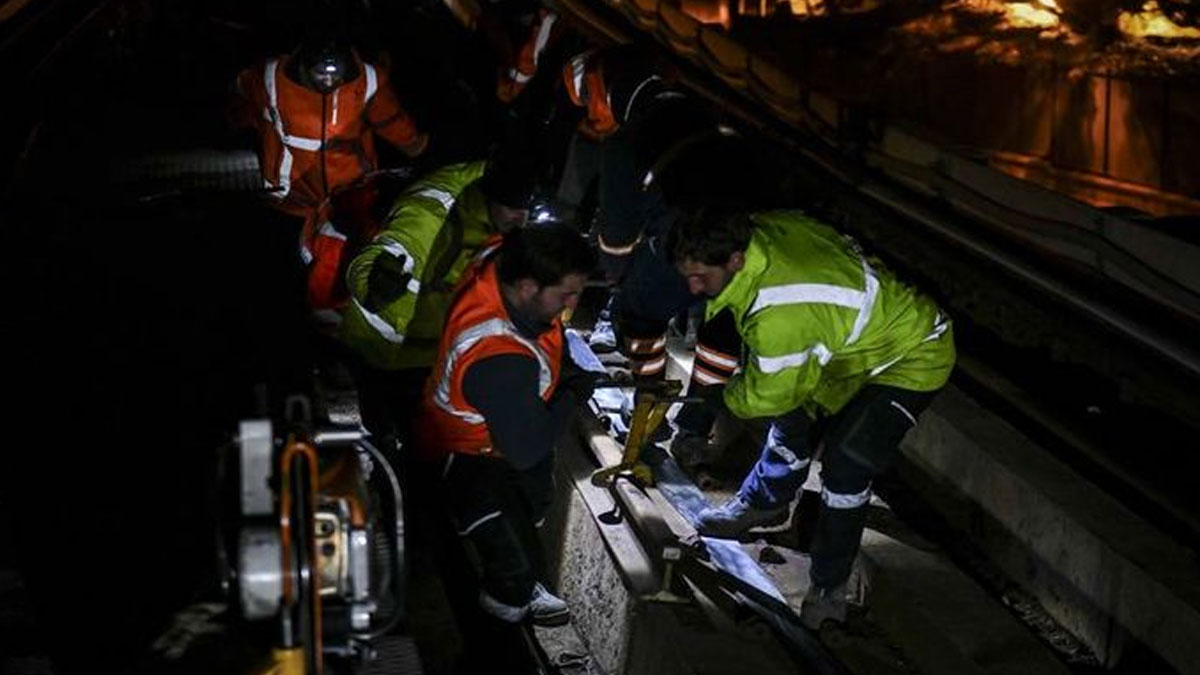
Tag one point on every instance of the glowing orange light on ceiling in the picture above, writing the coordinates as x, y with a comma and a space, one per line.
1151, 22
707, 11
1026, 15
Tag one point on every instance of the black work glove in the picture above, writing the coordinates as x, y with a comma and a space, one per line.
614, 266
387, 281
580, 383
692, 449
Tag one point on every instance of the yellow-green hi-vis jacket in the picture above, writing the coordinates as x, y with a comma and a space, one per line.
438, 224
819, 321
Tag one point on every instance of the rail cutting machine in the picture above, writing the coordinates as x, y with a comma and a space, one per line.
315, 553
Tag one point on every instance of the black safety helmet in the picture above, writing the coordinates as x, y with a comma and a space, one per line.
637, 80
659, 132
718, 167
511, 176
325, 65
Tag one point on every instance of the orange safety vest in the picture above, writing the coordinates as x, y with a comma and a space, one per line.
584, 79
512, 79
314, 143
477, 327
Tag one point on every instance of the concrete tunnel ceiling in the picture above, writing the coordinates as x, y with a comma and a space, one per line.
1132, 37
1095, 99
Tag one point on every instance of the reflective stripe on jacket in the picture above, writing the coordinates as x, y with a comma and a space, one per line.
438, 224
478, 327
819, 321
612, 89
512, 80
328, 241
583, 77
325, 294
314, 143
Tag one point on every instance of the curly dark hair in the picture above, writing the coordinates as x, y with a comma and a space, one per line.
545, 253
710, 236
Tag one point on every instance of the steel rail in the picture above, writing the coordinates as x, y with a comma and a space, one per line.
651, 527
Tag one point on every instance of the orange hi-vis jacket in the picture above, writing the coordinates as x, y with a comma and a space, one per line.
315, 143
514, 77
477, 327
328, 241
583, 76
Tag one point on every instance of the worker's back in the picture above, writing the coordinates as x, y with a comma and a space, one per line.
438, 225
807, 293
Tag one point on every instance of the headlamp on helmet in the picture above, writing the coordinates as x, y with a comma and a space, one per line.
327, 66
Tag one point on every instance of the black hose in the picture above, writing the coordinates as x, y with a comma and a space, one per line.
397, 535
307, 583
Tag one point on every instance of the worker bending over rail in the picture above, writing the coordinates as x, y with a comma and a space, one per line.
827, 332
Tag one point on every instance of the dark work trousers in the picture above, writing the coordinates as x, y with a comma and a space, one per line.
581, 167
489, 644
861, 442
496, 511
387, 400
652, 291
387, 403
648, 295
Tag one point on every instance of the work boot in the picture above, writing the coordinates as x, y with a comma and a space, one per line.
823, 604
738, 516
543, 609
691, 450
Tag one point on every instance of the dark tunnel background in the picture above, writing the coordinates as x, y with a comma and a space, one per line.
143, 321
146, 320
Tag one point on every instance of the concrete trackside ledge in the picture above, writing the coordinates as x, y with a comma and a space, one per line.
600, 598
1105, 574
607, 577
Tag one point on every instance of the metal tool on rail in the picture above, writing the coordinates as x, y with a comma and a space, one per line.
652, 403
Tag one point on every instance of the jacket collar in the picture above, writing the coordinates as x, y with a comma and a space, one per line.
471, 207
526, 326
290, 69
740, 291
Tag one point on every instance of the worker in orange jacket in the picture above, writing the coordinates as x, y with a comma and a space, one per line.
499, 398
317, 112
519, 34
543, 30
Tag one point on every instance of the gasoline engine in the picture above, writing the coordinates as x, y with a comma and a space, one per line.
315, 554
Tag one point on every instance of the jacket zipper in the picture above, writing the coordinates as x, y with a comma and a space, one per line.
324, 114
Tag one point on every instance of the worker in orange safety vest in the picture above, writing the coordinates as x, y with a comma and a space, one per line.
500, 396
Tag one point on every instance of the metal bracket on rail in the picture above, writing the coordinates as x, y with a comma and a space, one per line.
651, 408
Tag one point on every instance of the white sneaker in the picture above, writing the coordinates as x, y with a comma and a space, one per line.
505, 612
603, 339
543, 609
547, 609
